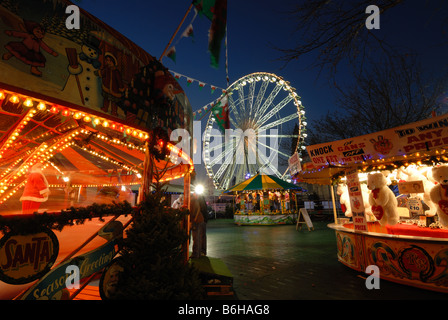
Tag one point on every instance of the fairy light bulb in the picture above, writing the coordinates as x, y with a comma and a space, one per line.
41, 106
28, 103
14, 99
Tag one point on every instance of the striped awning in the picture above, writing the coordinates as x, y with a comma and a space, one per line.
264, 182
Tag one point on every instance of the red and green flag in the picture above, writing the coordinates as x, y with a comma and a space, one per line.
221, 114
172, 54
216, 12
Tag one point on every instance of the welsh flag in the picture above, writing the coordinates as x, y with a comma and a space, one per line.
216, 12
221, 114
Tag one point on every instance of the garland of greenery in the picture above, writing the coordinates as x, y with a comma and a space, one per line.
57, 221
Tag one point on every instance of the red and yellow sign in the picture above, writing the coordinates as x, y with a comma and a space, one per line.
425, 135
25, 258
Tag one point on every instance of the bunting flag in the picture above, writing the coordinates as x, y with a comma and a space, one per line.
171, 53
201, 113
190, 80
216, 12
188, 32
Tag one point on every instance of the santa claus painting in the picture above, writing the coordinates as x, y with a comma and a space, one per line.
36, 190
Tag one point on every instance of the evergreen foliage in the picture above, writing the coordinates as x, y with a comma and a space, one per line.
153, 261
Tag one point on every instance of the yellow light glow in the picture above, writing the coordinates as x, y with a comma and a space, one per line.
28, 103
14, 99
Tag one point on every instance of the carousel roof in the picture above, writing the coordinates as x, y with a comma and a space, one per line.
264, 182
72, 146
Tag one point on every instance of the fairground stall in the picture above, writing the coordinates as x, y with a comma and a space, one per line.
85, 116
402, 227
265, 200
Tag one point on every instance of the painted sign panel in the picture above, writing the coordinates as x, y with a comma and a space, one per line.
294, 164
25, 258
52, 283
423, 135
92, 68
356, 200
416, 263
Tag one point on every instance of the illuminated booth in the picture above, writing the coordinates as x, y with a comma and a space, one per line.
89, 106
413, 251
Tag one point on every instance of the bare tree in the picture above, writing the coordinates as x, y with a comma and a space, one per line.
336, 30
390, 94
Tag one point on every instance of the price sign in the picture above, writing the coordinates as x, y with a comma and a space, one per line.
356, 201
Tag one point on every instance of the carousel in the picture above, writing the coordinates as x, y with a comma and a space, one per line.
392, 190
265, 200
85, 116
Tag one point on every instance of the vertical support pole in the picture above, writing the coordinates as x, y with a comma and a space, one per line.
334, 204
187, 184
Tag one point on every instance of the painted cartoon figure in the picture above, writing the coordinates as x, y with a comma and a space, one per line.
112, 84
28, 50
90, 51
36, 190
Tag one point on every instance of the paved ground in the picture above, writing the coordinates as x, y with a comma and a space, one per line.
280, 263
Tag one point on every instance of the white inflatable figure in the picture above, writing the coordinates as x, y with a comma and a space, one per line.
388, 175
344, 199
367, 207
412, 173
382, 199
439, 193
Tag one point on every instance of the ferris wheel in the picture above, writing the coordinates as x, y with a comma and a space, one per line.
263, 116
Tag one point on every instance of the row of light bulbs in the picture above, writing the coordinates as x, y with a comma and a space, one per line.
29, 102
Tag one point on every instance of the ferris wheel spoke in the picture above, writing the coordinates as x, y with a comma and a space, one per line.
274, 149
268, 102
241, 101
267, 163
228, 150
233, 122
277, 122
275, 110
217, 147
232, 107
260, 96
222, 169
250, 98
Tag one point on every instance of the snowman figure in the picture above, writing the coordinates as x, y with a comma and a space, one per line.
90, 52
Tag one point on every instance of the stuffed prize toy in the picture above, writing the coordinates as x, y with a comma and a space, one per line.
382, 199
439, 193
